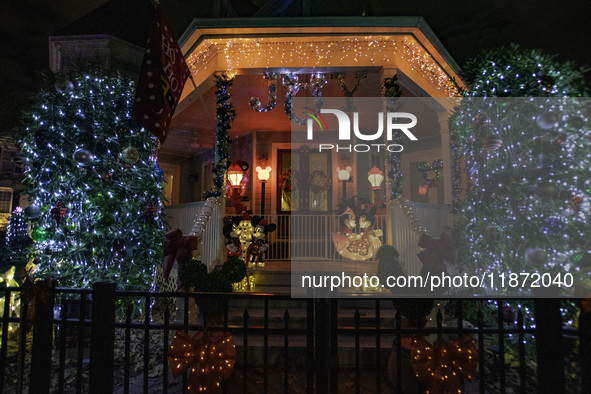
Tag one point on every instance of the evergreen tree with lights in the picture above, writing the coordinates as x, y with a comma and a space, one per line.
526, 150
17, 238
93, 183
527, 156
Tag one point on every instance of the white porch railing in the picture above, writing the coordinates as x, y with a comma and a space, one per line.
435, 218
313, 233
307, 237
184, 217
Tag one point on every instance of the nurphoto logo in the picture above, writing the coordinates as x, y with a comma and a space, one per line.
393, 121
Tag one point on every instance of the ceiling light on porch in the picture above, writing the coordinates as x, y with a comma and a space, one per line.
375, 177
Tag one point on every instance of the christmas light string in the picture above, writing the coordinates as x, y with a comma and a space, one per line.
274, 53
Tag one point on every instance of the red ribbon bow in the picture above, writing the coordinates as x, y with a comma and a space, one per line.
443, 365
177, 248
210, 359
436, 251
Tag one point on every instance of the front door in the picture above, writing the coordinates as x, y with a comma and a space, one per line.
304, 182
304, 202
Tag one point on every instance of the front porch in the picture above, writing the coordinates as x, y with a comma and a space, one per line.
306, 239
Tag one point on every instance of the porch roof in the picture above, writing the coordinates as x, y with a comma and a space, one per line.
407, 43
247, 47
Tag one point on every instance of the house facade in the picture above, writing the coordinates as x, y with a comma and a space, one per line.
353, 56
273, 61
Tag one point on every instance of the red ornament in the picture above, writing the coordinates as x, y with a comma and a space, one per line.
150, 210
482, 122
575, 203
492, 142
561, 139
59, 212
509, 314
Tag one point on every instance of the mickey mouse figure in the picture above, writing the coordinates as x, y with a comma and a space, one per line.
259, 244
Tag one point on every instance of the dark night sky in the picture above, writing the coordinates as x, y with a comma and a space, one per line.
465, 27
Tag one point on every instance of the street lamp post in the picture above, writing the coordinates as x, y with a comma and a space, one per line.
263, 175
376, 177
344, 174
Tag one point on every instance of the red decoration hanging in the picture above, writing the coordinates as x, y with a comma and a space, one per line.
575, 203
150, 210
59, 212
179, 248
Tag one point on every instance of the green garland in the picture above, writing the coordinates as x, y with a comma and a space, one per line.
456, 187
392, 92
224, 116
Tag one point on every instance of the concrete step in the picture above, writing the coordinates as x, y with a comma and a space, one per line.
297, 348
272, 278
298, 317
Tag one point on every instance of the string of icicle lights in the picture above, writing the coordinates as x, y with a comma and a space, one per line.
274, 53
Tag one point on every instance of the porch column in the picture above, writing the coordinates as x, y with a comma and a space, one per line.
446, 156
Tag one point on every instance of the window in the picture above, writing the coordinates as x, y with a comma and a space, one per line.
5, 200
5, 206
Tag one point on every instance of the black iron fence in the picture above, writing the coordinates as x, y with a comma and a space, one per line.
102, 341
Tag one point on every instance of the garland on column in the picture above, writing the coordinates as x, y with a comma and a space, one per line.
392, 92
456, 185
224, 115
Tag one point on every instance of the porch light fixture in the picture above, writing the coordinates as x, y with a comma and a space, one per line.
376, 177
263, 173
344, 174
235, 176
